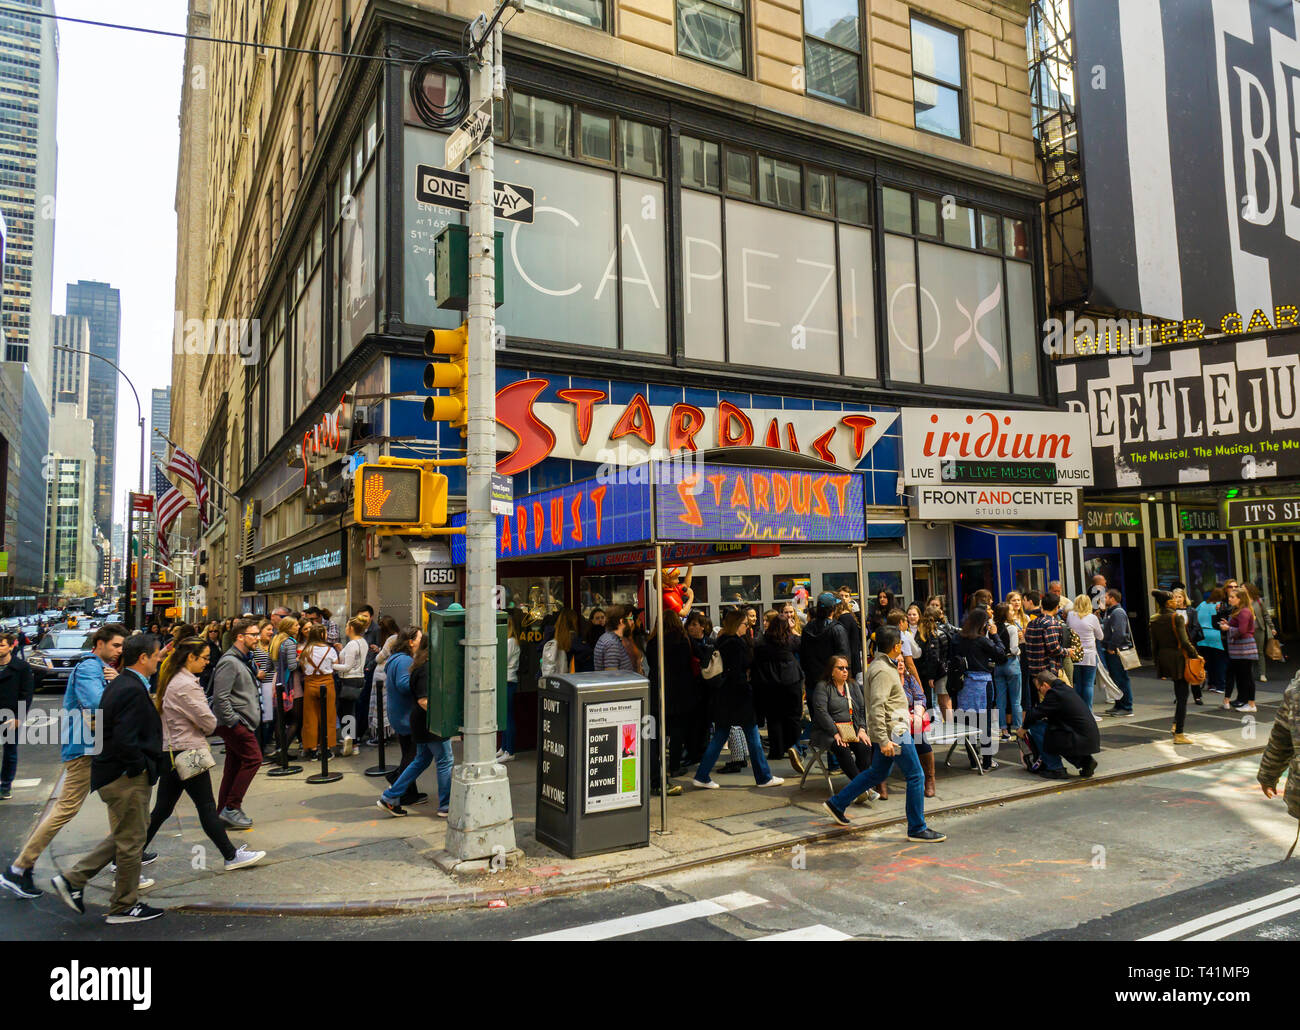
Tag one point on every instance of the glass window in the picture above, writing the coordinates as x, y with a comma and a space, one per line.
781, 303
833, 581
540, 124
900, 312
936, 52
734, 590
819, 193
785, 584
643, 243
307, 337
927, 217
989, 238
857, 302
643, 148
963, 314
584, 12
702, 276
936, 79
959, 225
898, 210
740, 173
852, 200
356, 269
1020, 305
596, 137
699, 163
780, 183
1015, 238
712, 32
603, 591
832, 50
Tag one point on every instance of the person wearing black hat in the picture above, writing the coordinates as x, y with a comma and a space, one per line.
1061, 726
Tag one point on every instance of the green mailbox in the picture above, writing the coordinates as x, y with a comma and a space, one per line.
445, 628
451, 268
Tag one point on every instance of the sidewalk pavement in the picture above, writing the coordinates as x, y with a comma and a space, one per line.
332, 852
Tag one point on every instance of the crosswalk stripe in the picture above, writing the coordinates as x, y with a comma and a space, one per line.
1199, 923
607, 928
1246, 922
27, 783
816, 932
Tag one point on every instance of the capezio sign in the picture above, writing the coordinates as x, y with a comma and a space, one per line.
1213, 413
586, 426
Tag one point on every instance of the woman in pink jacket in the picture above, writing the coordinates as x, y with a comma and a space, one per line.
187, 721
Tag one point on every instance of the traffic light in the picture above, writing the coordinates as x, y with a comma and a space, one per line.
401, 495
452, 376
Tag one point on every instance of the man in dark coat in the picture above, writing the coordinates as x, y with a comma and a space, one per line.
1061, 727
822, 637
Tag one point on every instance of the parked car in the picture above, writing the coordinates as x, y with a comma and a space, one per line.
54, 656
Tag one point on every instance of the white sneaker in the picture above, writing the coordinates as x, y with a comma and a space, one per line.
349, 745
1226, 706
1097, 717
872, 795
244, 857
775, 781
145, 883
710, 785
505, 756
1248, 708
1263, 679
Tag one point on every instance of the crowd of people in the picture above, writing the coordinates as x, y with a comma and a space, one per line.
855, 690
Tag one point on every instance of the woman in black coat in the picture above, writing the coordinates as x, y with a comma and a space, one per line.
731, 703
679, 691
778, 679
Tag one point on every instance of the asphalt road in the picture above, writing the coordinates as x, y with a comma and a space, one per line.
1112, 862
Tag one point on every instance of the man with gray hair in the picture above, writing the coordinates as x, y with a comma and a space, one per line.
276, 615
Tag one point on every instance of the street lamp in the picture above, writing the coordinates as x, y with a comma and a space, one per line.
139, 592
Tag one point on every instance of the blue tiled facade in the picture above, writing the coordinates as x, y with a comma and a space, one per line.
883, 462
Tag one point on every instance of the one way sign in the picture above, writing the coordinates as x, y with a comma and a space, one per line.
451, 189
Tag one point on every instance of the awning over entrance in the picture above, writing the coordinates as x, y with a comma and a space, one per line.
709, 509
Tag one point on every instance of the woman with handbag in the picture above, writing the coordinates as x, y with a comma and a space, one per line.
1172, 650
1239, 631
351, 672
1264, 633
187, 720
839, 719
288, 678
317, 663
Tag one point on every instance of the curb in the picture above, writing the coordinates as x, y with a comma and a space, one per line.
479, 897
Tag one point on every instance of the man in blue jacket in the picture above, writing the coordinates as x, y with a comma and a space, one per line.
81, 702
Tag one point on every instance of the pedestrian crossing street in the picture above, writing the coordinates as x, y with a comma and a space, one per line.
1234, 919
673, 915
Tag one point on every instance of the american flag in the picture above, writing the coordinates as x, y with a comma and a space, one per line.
169, 502
188, 469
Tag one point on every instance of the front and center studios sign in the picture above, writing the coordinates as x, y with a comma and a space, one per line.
983, 464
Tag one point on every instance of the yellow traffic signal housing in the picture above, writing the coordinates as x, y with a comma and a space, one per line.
452, 376
401, 495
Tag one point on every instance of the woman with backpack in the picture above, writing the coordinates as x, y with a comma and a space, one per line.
427, 747
731, 703
932, 641
778, 680
978, 653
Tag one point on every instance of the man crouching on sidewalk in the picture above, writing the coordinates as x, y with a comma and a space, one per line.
1060, 726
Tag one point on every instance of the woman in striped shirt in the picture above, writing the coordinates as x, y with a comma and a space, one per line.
1239, 633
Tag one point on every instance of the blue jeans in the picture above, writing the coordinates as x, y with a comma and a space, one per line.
875, 775
1006, 692
1216, 666
756, 756
9, 764
1038, 731
1120, 675
1085, 676
425, 755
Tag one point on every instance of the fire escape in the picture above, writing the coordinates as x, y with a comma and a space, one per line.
1052, 96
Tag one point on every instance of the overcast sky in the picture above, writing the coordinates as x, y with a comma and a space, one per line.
118, 134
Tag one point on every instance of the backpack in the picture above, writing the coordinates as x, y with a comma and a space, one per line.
957, 664
1195, 631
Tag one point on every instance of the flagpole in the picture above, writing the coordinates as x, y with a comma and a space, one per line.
206, 472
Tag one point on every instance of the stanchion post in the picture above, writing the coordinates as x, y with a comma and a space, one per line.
382, 768
323, 748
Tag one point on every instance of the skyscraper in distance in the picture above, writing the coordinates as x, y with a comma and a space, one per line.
101, 305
